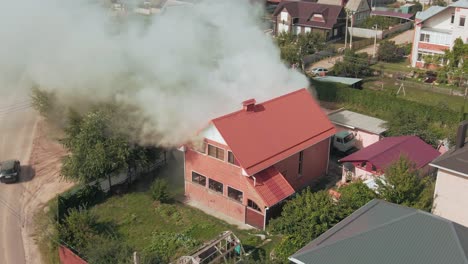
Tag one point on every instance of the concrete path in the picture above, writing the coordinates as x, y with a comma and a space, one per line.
405, 37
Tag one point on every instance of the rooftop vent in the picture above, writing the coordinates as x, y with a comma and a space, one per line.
249, 105
461, 135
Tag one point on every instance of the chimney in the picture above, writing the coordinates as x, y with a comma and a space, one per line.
249, 105
461, 135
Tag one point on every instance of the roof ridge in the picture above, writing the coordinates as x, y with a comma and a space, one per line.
261, 103
362, 233
460, 247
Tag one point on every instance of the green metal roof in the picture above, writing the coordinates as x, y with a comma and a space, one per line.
384, 233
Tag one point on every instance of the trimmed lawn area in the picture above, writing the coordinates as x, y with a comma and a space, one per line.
137, 217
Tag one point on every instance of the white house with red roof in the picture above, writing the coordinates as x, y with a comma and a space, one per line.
370, 162
435, 31
253, 159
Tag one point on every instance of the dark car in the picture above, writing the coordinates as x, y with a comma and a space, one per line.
9, 171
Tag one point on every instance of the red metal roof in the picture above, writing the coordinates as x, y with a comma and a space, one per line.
271, 185
68, 257
384, 152
274, 130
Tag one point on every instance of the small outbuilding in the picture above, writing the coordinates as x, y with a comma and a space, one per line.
367, 129
351, 82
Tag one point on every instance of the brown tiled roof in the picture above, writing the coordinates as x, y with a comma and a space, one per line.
301, 12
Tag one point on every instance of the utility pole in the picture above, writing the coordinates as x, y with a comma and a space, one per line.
351, 33
375, 41
346, 30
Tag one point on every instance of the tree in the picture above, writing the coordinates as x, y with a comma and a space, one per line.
96, 152
304, 218
353, 64
293, 47
402, 183
390, 52
439, 3
354, 196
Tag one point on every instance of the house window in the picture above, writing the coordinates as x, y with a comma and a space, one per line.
215, 186
452, 19
420, 57
307, 29
374, 168
284, 16
216, 152
424, 37
235, 194
253, 205
198, 178
232, 159
301, 159
200, 147
462, 22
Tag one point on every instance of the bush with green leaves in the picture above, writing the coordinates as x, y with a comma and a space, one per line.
353, 196
403, 184
160, 191
167, 245
389, 51
105, 250
304, 218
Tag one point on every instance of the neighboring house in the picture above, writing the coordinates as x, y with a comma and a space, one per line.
251, 160
451, 190
372, 161
302, 17
358, 10
436, 30
386, 233
367, 130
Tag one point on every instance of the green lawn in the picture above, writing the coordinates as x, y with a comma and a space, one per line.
418, 92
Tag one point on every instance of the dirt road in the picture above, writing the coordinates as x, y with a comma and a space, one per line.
405, 37
17, 125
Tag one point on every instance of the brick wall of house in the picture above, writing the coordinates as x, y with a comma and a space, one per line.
314, 165
221, 171
430, 46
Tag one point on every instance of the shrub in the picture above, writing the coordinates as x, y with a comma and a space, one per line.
159, 191
166, 245
104, 250
79, 197
78, 229
389, 51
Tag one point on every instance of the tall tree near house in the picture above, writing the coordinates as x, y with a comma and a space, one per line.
402, 183
96, 152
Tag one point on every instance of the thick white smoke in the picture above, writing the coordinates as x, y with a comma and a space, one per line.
180, 68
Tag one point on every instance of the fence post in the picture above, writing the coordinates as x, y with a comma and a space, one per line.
136, 258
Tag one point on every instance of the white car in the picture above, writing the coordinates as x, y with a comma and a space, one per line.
319, 71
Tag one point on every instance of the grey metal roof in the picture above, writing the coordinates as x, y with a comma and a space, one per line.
355, 120
344, 80
455, 160
381, 232
431, 11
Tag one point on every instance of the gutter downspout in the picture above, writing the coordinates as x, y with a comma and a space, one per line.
255, 180
265, 217
328, 158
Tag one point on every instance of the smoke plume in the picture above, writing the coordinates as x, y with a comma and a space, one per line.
179, 69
